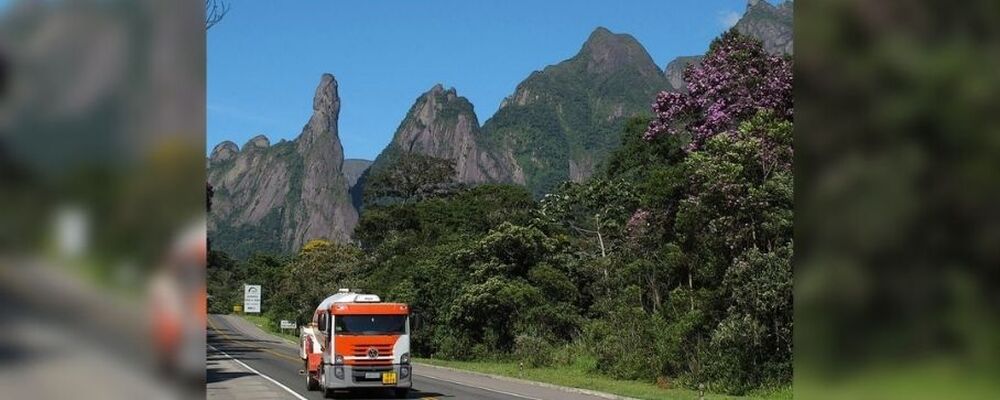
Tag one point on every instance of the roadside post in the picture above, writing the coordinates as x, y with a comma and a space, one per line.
286, 324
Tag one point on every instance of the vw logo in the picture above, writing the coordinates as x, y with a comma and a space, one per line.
372, 353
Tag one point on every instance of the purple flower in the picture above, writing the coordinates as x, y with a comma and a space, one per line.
736, 79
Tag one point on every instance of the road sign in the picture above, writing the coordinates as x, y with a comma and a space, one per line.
251, 298
286, 324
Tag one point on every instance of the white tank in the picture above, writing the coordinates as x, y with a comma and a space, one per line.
347, 296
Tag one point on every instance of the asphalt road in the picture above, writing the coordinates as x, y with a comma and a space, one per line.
268, 356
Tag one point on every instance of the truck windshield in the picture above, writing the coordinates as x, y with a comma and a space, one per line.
370, 324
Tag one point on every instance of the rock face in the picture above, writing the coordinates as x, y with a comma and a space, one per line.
561, 122
353, 168
274, 198
443, 124
771, 24
675, 71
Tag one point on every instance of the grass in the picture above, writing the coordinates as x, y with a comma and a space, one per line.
577, 377
270, 326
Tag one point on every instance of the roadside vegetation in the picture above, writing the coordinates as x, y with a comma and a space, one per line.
271, 326
669, 268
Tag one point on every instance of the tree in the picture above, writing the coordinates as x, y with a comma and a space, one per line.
736, 224
596, 209
317, 271
215, 10
734, 80
407, 176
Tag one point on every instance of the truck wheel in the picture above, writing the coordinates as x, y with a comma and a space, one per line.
311, 384
402, 393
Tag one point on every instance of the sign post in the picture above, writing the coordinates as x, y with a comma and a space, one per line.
286, 324
251, 298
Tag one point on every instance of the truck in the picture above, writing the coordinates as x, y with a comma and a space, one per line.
355, 340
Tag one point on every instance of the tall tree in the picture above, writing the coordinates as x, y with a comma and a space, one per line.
735, 79
408, 176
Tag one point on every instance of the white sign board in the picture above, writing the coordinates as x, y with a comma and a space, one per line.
251, 298
286, 324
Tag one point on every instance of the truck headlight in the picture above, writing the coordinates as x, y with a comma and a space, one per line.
338, 359
404, 371
405, 358
338, 372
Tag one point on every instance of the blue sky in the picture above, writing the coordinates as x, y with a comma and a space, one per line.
266, 57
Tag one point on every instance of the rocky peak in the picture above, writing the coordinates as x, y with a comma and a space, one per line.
224, 151
772, 25
605, 51
326, 111
438, 102
434, 115
284, 195
443, 124
326, 100
257, 142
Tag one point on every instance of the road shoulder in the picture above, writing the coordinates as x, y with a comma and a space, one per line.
460, 375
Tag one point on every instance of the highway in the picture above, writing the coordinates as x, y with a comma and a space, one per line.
267, 366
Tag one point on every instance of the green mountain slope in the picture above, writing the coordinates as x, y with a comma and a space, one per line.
564, 120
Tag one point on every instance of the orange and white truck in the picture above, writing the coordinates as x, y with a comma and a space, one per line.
355, 340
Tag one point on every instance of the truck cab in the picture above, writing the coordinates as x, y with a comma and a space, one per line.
355, 340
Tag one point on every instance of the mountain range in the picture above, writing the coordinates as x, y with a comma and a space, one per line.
558, 125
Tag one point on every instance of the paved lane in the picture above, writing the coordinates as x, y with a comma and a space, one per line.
273, 357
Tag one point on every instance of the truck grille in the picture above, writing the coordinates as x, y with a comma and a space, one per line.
385, 355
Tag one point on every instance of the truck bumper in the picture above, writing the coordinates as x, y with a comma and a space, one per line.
357, 376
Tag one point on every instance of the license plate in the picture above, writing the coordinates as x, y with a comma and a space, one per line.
389, 378
372, 375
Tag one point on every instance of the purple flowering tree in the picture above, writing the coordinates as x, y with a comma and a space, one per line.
734, 81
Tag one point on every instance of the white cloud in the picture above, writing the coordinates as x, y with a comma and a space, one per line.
729, 18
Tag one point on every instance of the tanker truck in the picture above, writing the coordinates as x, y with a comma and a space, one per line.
355, 340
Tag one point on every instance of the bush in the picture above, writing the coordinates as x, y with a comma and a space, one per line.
574, 354
534, 351
623, 341
452, 347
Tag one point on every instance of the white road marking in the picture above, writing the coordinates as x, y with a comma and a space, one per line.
297, 396
480, 387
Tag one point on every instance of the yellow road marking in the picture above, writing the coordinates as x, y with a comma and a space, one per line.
269, 351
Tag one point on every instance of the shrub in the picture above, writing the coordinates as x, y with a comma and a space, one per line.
534, 351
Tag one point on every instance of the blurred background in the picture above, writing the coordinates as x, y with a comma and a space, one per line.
897, 222
102, 199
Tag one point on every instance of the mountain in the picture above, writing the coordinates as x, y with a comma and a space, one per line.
443, 124
772, 25
675, 71
562, 121
274, 198
353, 168
769, 23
